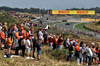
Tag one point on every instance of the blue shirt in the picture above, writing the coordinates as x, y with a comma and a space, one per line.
38, 47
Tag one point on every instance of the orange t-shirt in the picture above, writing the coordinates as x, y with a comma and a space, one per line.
16, 36
2, 35
77, 48
47, 40
23, 31
9, 42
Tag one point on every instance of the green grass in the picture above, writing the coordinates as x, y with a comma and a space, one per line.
80, 26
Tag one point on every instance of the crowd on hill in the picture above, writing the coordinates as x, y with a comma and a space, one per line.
19, 39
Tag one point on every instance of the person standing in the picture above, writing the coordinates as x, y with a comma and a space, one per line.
9, 43
23, 46
50, 41
71, 51
40, 34
34, 46
39, 47
17, 37
2, 38
54, 42
77, 48
60, 41
89, 54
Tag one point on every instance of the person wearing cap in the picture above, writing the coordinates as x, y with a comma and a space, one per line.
75, 43
93, 45
17, 37
77, 54
23, 46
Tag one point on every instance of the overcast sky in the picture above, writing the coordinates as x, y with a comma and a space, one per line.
50, 4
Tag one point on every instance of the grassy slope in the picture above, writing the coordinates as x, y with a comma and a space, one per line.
80, 26
94, 26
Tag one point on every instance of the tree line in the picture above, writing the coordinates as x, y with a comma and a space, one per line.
97, 9
42, 11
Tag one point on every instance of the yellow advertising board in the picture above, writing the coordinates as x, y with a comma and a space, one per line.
86, 12
86, 19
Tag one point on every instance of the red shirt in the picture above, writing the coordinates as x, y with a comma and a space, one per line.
54, 41
60, 41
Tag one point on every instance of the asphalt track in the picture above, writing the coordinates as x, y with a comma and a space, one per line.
63, 26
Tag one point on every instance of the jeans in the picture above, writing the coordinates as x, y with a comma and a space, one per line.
60, 46
50, 44
90, 59
34, 49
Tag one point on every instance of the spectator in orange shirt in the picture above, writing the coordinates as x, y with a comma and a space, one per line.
9, 43
17, 37
2, 38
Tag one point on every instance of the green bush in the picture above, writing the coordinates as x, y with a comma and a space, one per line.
58, 54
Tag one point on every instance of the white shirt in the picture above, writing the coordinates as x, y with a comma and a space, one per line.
40, 35
90, 51
31, 33
28, 43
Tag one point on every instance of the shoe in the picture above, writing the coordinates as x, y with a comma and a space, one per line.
78, 64
27, 57
5, 56
11, 56
1, 49
38, 60
32, 58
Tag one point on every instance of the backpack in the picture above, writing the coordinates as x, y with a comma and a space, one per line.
50, 39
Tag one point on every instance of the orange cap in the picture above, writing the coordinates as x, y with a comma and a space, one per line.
76, 40
77, 43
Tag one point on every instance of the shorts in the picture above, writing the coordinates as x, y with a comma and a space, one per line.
71, 55
84, 57
29, 50
2, 40
9, 46
39, 52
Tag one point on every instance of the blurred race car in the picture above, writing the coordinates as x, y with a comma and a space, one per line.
64, 20
67, 23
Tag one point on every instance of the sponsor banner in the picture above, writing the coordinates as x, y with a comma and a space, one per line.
90, 19
86, 12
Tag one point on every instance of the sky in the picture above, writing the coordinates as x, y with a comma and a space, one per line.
51, 4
